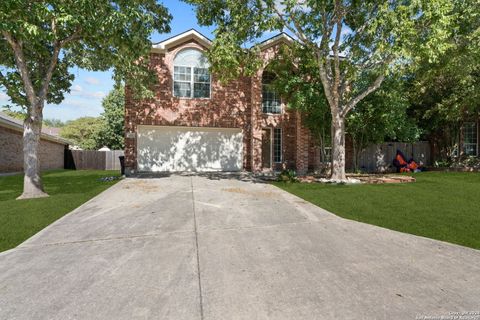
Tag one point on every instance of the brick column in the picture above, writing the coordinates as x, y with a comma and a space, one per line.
130, 133
302, 142
255, 123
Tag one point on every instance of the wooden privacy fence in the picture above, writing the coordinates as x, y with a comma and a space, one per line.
379, 157
93, 160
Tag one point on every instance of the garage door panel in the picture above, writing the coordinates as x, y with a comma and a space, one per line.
189, 149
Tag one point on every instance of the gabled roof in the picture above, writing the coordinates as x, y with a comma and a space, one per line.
191, 34
281, 37
17, 125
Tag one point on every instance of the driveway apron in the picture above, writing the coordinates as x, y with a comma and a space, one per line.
227, 247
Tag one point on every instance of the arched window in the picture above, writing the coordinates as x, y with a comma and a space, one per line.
191, 78
271, 102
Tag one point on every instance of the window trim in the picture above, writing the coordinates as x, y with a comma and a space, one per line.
273, 145
209, 84
276, 93
182, 81
192, 82
475, 135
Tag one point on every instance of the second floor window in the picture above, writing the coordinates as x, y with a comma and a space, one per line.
271, 102
191, 78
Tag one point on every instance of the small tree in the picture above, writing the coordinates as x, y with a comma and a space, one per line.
446, 92
13, 113
84, 132
53, 123
380, 116
373, 36
298, 83
113, 118
40, 41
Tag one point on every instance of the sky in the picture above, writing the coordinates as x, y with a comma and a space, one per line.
89, 88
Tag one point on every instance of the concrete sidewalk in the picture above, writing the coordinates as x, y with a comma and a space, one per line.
219, 248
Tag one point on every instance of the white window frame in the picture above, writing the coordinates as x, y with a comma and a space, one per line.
192, 83
182, 81
273, 145
192, 79
474, 134
276, 94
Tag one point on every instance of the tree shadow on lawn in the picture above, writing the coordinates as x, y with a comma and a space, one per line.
439, 205
57, 182
68, 189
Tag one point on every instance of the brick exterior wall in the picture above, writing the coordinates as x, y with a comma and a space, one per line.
237, 104
51, 154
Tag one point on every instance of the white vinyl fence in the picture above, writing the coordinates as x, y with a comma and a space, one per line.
379, 158
111, 159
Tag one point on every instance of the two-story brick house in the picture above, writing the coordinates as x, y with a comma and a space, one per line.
197, 124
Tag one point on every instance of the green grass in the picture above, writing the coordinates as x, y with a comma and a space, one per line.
68, 189
439, 205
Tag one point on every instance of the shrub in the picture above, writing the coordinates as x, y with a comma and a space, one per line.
469, 162
289, 176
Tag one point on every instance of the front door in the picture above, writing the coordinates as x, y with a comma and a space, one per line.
266, 149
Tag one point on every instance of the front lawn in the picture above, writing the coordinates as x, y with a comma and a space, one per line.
68, 189
440, 205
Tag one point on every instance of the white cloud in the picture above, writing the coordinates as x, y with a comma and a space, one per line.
98, 94
76, 104
92, 81
76, 89
73, 108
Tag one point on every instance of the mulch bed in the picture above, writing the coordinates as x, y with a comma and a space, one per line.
377, 179
367, 178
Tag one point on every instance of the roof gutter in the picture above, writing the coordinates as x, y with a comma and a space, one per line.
6, 123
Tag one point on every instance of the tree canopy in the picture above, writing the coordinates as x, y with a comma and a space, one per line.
113, 117
445, 92
354, 44
40, 42
302, 90
382, 116
83, 132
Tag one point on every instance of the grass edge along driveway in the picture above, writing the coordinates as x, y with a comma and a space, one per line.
68, 189
439, 205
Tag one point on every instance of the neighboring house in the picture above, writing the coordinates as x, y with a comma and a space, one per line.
51, 149
469, 140
461, 140
195, 123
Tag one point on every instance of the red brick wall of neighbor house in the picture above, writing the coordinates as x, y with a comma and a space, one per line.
237, 104
51, 154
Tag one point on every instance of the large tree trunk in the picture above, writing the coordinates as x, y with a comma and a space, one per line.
32, 182
338, 148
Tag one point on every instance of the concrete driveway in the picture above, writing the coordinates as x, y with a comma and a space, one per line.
191, 247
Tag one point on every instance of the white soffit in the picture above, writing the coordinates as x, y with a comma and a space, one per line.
192, 34
282, 37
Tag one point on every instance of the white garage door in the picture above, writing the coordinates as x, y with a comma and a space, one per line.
162, 148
